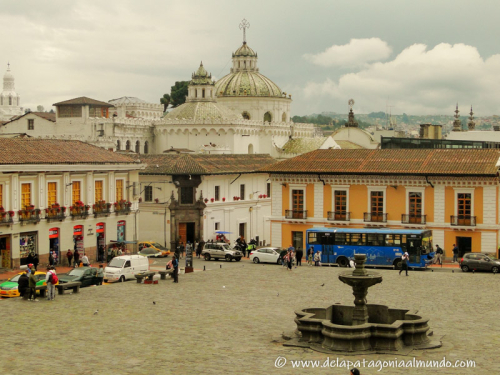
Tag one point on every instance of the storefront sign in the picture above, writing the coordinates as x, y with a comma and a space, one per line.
120, 235
99, 228
53, 232
78, 230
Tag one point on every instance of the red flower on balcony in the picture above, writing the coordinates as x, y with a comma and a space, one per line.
223, 199
11, 213
212, 200
2, 209
206, 200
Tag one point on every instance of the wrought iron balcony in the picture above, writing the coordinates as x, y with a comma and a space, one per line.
55, 213
79, 212
295, 214
375, 217
101, 208
339, 216
29, 215
6, 218
123, 207
463, 220
413, 219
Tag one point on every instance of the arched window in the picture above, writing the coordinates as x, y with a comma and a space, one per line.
118, 145
283, 117
146, 147
202, 93
250, 148
127, 146
246, 115
267, 117
137, 147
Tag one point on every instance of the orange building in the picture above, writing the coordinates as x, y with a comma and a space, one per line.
454, 193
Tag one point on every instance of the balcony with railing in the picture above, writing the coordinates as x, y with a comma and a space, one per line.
6, 218
123, 207
29, 215
413, 219
295, 214
101, 208
55, 212
375, 217
463, 220
339, 216
79, 210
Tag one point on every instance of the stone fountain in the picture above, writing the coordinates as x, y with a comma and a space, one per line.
366, 328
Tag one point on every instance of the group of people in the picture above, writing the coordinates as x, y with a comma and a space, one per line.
27, 283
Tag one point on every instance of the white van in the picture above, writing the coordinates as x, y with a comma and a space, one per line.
125, 267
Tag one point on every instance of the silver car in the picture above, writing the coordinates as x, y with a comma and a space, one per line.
479, 262
220, 250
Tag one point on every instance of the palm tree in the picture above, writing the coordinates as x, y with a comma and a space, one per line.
165, 101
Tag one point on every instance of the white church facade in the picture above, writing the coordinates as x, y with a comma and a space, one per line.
10, 100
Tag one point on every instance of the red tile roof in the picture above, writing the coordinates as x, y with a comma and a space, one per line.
203, 164
56, 151
392, 162
45, 115
83, 100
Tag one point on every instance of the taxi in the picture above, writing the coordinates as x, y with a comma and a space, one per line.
155, 246
9, 287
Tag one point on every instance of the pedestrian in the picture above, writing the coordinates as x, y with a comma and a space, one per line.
101, 254
23, 284
108, 258
316, 259
100, 274
319, 258
119, 252
455, 253
439, 254
69, 255
181, 249
175, 264
289, 259
32, 286
113, 254
49, 279
200, 248
404, 263
51, 259
77, 258
354, 371
85, 260
310, 256
298, 257
29, 258
36, 261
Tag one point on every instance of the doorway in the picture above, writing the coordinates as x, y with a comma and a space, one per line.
464, 245
100, 231
54, 244
298, 240
242, 229
187, 232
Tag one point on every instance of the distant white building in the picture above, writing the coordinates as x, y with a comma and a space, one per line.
10, 100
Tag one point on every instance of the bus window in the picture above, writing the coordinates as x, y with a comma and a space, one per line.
388, 240
403, 239
312, 239
397, 239
340, 239
326, 238
427, 243
375, 239
357, 239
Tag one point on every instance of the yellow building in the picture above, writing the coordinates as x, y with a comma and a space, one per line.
454, 193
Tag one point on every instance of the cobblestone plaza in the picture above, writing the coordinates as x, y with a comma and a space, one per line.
230, 320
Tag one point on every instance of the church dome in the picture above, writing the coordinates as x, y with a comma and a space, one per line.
244, 50
197, 111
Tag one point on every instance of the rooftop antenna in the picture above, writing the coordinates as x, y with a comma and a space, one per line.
244, 25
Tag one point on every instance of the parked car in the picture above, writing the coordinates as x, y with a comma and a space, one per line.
266, 255
154, 245
150, 253
220, 250
479, 262
86, 275
9, 287
125, 267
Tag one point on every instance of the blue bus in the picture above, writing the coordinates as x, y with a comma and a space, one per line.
383, 247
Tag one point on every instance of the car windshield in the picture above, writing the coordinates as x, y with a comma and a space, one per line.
158, 246
116, 262
226, 247
15, 278
76, 272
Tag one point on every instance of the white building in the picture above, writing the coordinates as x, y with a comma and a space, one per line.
10, 100
60, 195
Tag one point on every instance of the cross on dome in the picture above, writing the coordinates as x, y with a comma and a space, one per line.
243, 26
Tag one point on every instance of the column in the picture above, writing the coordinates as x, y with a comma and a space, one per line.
439, 205
318, 200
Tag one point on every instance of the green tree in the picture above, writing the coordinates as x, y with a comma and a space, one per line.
165, 100
405, 118
377, 115
178, 93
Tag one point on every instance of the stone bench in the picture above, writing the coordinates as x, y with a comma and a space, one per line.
75, 286
164, 274
144, 275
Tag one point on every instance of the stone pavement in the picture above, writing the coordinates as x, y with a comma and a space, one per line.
230, 320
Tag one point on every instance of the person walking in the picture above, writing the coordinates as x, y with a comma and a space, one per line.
316, 259
181, 249
199, 248
455, 253
32, 286
85, 260
100, 254
404, 263
310, 256
175, 264
69, 255
100, 274
77, 258
49, 279
439, 254
36, 261
298, 256
23, 284
51, 259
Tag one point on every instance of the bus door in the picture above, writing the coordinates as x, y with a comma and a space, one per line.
413, 246
327, 254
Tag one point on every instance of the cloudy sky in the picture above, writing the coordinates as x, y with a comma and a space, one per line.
418, 57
